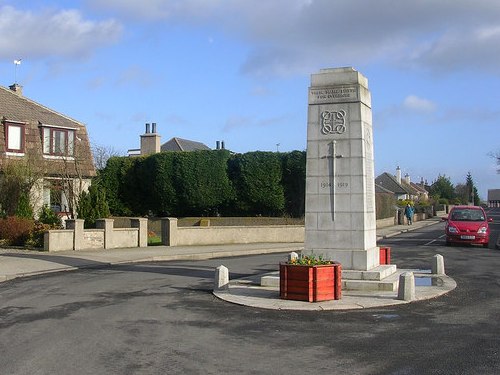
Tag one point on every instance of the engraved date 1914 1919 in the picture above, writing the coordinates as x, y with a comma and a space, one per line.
325, 184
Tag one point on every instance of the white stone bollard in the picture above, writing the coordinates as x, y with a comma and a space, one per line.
292, 255
406, 290
438, 265
221, 281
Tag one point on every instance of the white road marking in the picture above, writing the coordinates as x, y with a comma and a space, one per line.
428, 243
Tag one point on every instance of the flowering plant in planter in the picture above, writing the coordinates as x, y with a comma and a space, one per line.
309, 260
310, 278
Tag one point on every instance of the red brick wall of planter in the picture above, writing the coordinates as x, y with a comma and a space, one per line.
311, 283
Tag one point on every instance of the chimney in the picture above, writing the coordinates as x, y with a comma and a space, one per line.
222, 145
150, 142
398, 175
407, 178
18, 89
217, 145
153, 127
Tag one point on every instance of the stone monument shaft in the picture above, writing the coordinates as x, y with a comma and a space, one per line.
340, 189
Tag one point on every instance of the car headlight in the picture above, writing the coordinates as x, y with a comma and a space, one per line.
452, 229
482, 230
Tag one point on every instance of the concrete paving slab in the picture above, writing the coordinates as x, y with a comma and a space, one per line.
242, 292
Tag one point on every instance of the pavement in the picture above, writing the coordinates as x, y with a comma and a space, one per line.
18, 263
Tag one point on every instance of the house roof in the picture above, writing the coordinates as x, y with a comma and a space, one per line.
419, 188
381, 189
17, 108
179, 144
389, 182
494, 195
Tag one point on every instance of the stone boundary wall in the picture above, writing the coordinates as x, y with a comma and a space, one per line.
172, 235
108, 237
75, 237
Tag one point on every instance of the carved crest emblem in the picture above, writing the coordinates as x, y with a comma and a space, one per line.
333, 122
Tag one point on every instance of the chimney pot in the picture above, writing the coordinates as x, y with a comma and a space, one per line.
398, 174
217, 145
154, 127
147, 128
223, 145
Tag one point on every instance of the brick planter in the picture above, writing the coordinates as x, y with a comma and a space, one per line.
385, 255
311, 283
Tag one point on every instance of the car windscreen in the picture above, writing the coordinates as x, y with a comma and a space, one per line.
467, 215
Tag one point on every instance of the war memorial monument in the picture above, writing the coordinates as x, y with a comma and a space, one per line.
340, 221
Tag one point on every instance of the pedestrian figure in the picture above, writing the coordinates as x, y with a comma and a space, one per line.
409, 213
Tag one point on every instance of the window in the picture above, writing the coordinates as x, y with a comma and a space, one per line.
14, 137
58, 141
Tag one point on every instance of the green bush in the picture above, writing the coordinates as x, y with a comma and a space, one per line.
201, 182
35, 237
113, 180
15, 230
257, 178
92, 205
24, 208
49, 217
294, 182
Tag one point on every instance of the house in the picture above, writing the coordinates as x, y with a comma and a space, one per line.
55, 147
493, 197
150, 143
401, 188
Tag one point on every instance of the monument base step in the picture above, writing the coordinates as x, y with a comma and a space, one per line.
381, 278
375, 274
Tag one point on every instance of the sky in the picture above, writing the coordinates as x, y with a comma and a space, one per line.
238, 71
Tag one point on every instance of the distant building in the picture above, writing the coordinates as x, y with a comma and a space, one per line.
494, 198
179, 144
401, 188
150, 143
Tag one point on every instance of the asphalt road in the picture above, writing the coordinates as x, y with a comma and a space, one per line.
161, 318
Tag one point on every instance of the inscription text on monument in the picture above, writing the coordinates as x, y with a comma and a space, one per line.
329, 94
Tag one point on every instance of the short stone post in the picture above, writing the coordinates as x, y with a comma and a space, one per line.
293, 255
142, 224
77, 226
438, 265
107, 225
406, 290
169, 231
221, 281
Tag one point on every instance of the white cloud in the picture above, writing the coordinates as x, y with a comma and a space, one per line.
415, 103
50, 33
298, 36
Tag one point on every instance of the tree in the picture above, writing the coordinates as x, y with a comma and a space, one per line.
71, 177
92, 205
442, 188
497, 157
18, 180
461, 193
472, 195
102, 154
